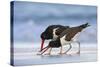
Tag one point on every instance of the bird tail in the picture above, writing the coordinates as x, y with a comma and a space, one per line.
67, 26
85, 25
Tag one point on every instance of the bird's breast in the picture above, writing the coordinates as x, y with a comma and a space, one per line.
63, 41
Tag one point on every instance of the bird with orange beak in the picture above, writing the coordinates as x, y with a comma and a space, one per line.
51, 32
66, 38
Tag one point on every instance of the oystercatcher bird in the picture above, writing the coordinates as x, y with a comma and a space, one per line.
52, 32
66, 37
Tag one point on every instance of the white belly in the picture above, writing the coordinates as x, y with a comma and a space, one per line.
63, 41
54, 34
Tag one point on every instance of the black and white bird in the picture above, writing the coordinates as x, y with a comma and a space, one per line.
65, 38
52, 32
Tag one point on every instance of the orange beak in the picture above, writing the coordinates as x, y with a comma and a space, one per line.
42, 44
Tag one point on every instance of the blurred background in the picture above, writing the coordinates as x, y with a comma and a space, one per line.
32, 18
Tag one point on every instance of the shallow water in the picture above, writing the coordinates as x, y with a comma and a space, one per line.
28, 56
34, 60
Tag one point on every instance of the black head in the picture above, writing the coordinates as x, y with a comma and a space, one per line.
84, 25
46, 35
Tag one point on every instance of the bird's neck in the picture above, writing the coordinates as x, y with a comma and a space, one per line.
58, 41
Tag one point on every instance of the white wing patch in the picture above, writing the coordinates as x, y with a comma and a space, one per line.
64, 42
54, 34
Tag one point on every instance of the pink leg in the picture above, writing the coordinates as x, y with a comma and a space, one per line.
79, 48
68, 49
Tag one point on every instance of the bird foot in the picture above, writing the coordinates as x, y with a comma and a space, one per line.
67, 54
39, 54
64, 53
47, 54
78, 52
60, 53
